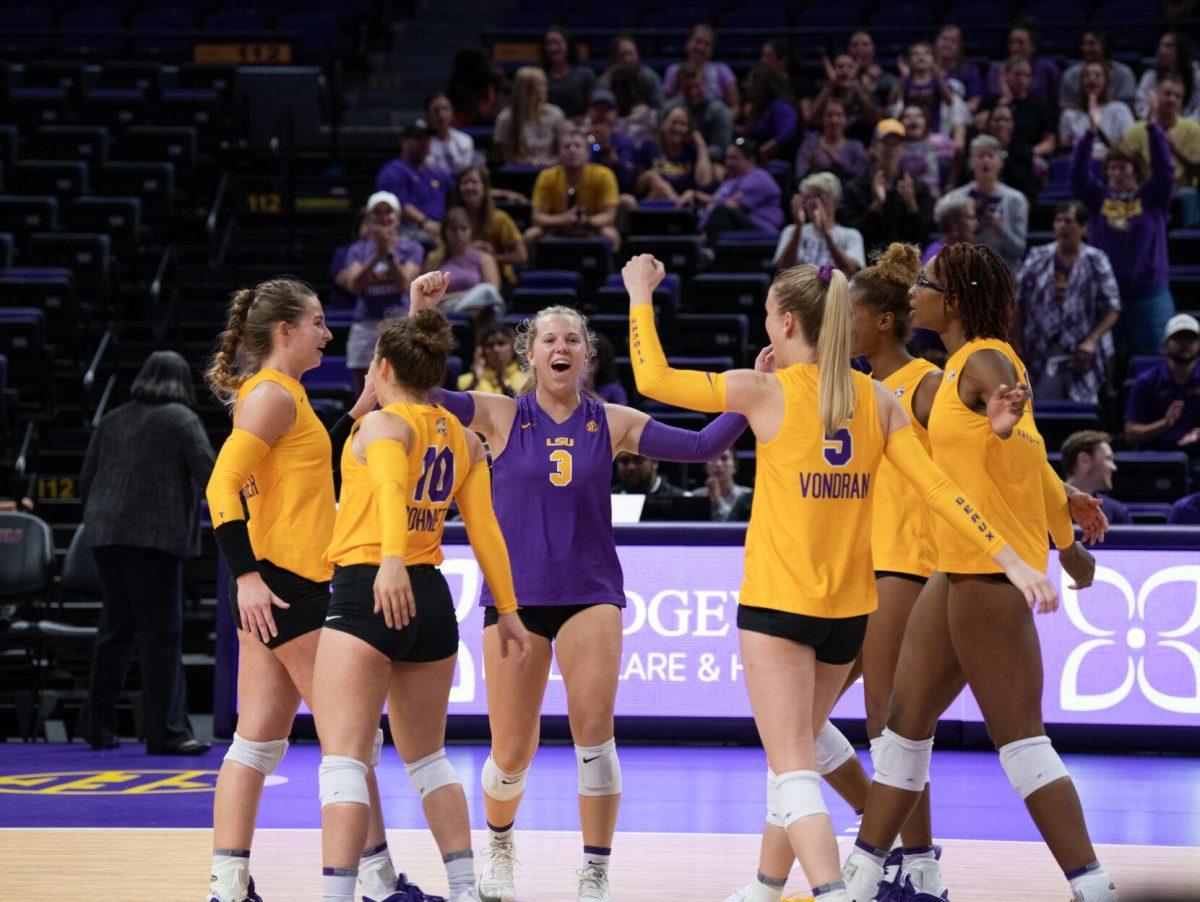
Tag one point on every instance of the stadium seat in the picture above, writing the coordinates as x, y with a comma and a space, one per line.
136, 74
1185, 286
1183, 247
66, 74
234, 20
118, 217
727, 333
668, 220
317, 32
1141, 363
88, 144
1151, 476
729, 293
590, 257
50, 290
161, 144
63, 179
20, 216
745, 252
152, 183
552, 278
208, 78
87, 254
162, 33
516, 178
23, 342
29, 108
529, 300
95, 31
1057, 420
614, 327
331, 378
14, 22
6, 250
1146, 513
117, 108
199, 108
679, 253
8, 145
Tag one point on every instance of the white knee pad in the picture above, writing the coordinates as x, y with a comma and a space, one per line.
1031, 763
901, 763
833, 749
799, 794
431, 773
342, 779
263, 757
774, 815
599, 769
501, 786
376, 748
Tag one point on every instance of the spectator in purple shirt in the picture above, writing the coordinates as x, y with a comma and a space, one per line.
719, 81
1129, 223
1163, 411
1185, 511
770, 116
1022, 41
679, 161
422, 190
1088, 464
602, 377
829, 150
964, 78
378, 270
748, 199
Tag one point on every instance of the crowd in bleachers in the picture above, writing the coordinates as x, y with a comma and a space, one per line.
1081, 173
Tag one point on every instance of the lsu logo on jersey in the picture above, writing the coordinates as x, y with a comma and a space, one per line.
441, 426
592, 426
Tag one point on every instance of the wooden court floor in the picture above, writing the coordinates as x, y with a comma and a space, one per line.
171, 865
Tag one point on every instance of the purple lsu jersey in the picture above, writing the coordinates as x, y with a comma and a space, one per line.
551, 487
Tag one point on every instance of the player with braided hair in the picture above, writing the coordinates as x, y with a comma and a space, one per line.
272, 504
970, 625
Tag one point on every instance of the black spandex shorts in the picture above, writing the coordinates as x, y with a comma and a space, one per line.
543, 619
835, 640
309, 601
911, 577
430, 636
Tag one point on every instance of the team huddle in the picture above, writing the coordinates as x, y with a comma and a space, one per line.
342, 605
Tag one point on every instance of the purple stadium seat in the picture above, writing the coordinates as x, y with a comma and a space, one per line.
318, 31
532, 19
92, 31
752, 17
552, 278
330, 376
903, 21
156, 33
615, 18
821, 16
34, 107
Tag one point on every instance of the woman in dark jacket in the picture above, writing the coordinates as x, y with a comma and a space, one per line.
146, 467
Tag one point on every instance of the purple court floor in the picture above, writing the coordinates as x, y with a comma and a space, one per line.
1135, 800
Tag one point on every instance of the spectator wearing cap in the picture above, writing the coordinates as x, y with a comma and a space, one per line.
814, 235
954, 216
887, 204
718, 79
711, 117
1001, 212
1183, 137
1088, 464
748, 199
1129, 223
1067, 305
769, 116
379, 268
575, 199
421, 189
568, 84
607, 147
624, 52
450, 150
1163, 411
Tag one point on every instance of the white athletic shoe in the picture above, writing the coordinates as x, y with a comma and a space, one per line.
496, 881
466, 895
753, 891
862, 876
739, 896
593, 886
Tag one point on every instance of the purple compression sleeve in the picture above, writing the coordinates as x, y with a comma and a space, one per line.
459, 403
664, 442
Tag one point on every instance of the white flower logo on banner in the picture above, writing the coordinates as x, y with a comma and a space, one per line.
1172, 642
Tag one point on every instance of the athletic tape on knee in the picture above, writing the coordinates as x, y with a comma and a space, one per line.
1031, 763
501, 786
901, 763
376, 748
833, 749
342, 779
774, 816
263, 757
599, 769
799, 795
432, 773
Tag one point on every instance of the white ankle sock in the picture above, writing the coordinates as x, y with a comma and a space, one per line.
596, 857
765, 889
337, 884
230, 877
831, 892
1093, 885
460, 870
501, 834
376, 873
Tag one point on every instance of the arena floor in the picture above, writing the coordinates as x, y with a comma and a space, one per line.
77, 824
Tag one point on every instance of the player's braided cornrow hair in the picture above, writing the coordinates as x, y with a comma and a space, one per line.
980, 286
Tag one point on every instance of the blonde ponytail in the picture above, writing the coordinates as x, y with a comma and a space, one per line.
220, 375
246, 341
835, 387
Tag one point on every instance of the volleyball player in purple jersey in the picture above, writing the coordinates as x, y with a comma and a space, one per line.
552, 451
